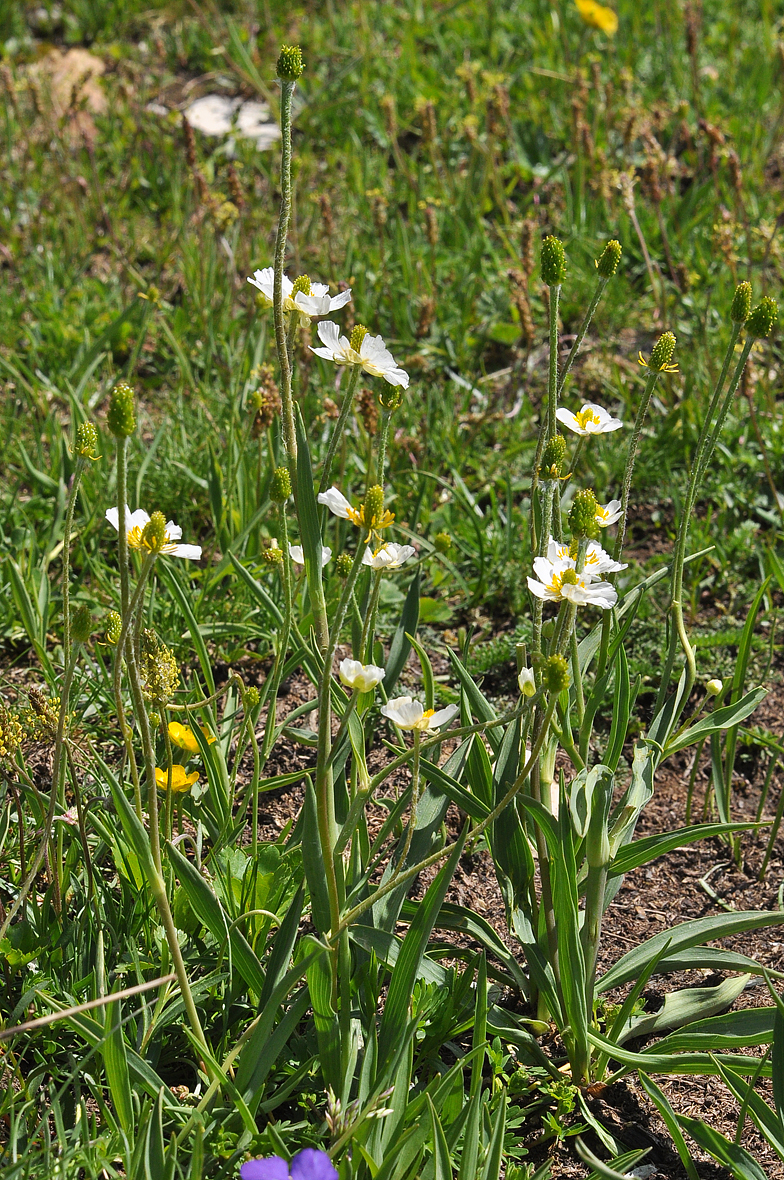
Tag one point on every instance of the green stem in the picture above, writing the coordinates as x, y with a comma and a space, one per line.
167, 823
340, 425
414, 806
125, 595
289, 430
642, 410
602, 283
383, 435
369, 625
552, 388
283, 641
69, 515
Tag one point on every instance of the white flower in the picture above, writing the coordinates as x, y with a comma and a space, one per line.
389, 557
559, 580
298, 557
597, 561
409, 714
374, 357
527, 682
609, 514
591, 419
365, 677
134, 525
318, 302
339, 506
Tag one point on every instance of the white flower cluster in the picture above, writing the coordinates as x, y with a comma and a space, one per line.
559, 580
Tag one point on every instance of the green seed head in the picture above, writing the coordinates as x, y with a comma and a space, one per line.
391, 397
154, 533
343, 564
301, 284
442, 542
553, 262
570, 577
556, 674
121, 418
582, 514
607, 265
155, 719
272, 555
762, 319
159, 669
280, 487
358, 334
86, 441
81, 624
548, 629
251, 697
113, 627
290, 63
741, 303
374, 504
661, 355
553, 456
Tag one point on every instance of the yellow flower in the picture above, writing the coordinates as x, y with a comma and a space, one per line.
180, 781
598, 16
184, 737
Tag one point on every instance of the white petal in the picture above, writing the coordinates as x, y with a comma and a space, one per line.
137, 519
296, 554
396, 377
442, 717
326, 554
319, 289
329, 334
190, 551
349, 670
326, 353
335, 501
312, 304
173, 531
338, 301
404, 711
568, 419
368, 557
540, 590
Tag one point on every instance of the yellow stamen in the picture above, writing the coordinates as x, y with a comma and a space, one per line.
583, 417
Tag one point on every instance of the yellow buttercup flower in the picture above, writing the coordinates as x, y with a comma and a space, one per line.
598, 16
184, 737
180, 779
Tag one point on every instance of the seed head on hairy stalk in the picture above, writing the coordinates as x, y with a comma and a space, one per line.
741, 304
555, 674
280, 485
607, 264
160, 671
272, 555
290, 65
553, 456
582, 515
442, 543
113, 627
553, 261
762, 320
121, 418
86, 441
661, 355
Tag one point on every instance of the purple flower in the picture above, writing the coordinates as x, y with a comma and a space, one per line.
308, 1164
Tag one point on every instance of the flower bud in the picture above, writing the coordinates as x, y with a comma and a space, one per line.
251, 697
548, 628
741, 303
86, 441
290, 63
358, 334
607, 265
713, 687
582, 514
121, 418
391, 397
155, 719
280, 487
81, 624
553, 456
374, 504
301, 284
527, 682
661, 355
113, 627
442, 542
553, 261
272, 555
762, 319
343, 564
154, 533
556, 674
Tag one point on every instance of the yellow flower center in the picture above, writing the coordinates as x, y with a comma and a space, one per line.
583, 417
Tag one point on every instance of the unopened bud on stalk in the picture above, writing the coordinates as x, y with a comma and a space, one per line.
661, 355
86, 441
154, 533
155, 719
113, 627
553, 261
121, 418
548, 628
301, 284
741, 303
81, 624
762, 319
343, 564
442, 542
713, 687
556, 674
553, 456
582, 514
290, 63
607, 265
280, 486
374, 504
358, 334
272, 555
